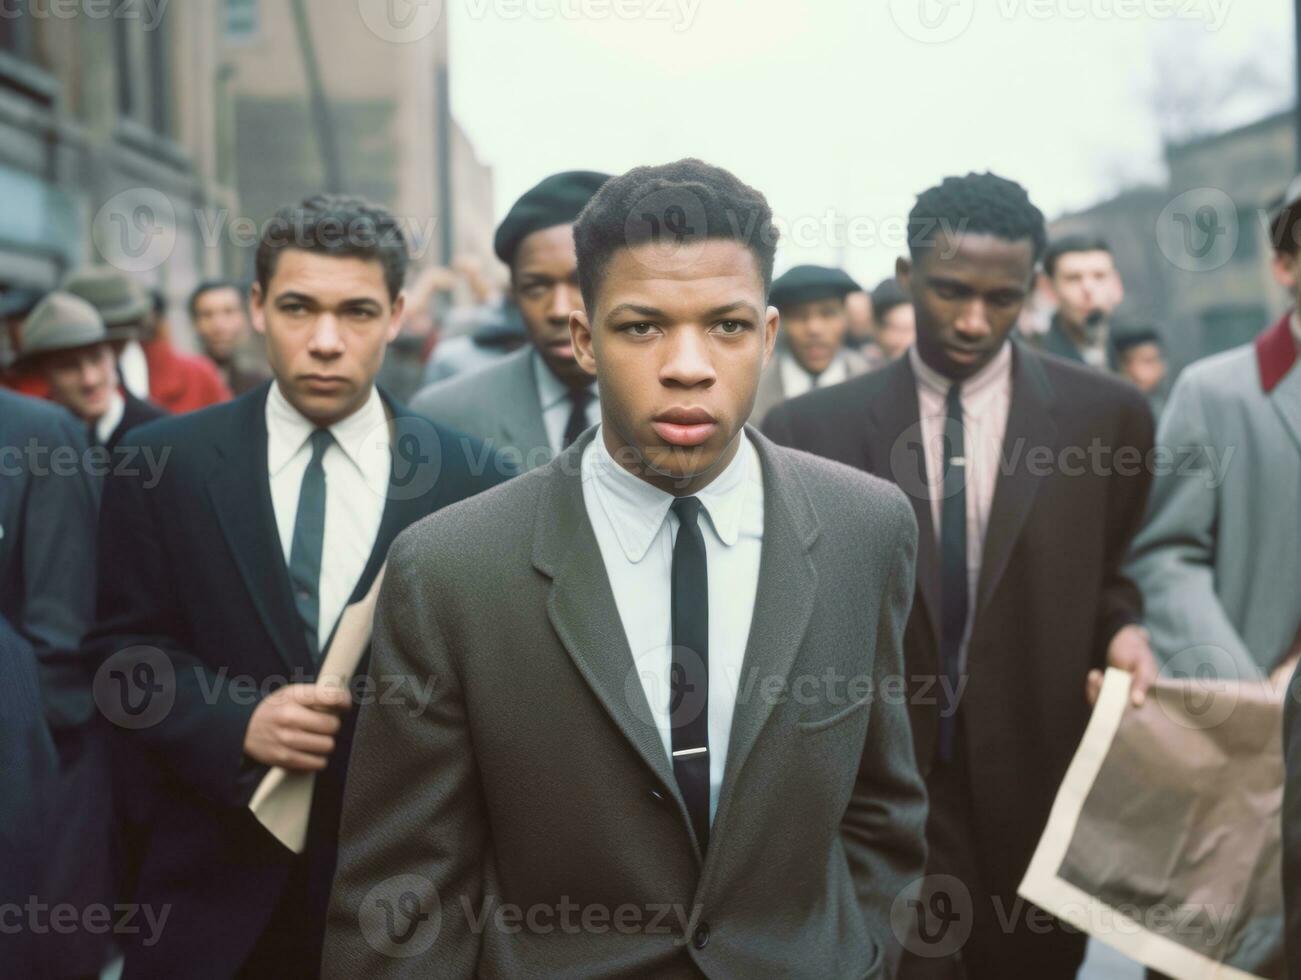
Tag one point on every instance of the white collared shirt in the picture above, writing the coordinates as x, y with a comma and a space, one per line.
986, 399
556, 406
134, 368
356, 487
636, 531
796, 380
107, 423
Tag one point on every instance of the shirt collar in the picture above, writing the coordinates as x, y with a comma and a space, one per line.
997, 370
111, 419
636, 510
360, 435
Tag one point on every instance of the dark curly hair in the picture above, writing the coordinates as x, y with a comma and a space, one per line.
978, 204
331, 224
688, 199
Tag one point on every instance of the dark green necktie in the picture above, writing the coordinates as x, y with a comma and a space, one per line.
309, 538
689, 680
953, 566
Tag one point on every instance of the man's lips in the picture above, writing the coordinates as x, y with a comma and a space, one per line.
561, 348
684, 426
964, 355
324, 380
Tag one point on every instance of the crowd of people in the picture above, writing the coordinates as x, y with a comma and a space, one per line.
724, 620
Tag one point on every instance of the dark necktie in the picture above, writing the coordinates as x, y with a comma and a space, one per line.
577, 424
953, 566
308, 540
689, 680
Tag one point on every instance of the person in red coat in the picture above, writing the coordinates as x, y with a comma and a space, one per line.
151, 368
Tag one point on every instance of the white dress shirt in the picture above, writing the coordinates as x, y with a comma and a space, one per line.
986, 398
356, 488
796, 380
636, 531
134, 368
556, 406
111, 419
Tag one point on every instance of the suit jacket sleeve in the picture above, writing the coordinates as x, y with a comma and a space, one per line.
414, 827
884, 828
1121, 602
199, 735
58, 567
1173, 558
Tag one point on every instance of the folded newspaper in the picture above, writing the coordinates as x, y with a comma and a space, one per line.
283, 800
1164, 840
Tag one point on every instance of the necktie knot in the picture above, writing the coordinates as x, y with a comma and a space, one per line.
321, 441
954, 400
688, 510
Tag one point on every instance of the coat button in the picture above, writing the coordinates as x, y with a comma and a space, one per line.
701, 937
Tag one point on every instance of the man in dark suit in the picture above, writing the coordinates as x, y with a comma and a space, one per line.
65, 341
222, 584
676, 756
1023, 528
1081, 274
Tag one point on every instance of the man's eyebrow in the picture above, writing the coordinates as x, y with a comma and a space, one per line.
647, 311
726, 308
296, 298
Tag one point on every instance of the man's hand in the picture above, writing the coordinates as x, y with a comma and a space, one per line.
294, 728
1129, 650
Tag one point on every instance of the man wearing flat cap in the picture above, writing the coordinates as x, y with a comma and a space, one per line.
150, 366
814, 320
1140, 357
66, 343
534, 403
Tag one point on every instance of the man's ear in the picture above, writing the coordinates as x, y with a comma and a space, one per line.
771, 324
903, 274
257, 313
580, 335
395, 320
1284, 269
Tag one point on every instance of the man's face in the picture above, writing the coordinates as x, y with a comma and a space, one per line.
1084, 284
678, 356
544, 283
814, 331
327, 320
220, 321
83, 379
1145, 366
967, 292
896, 330
1287, 273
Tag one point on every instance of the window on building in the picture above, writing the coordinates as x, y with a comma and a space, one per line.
158, 44
1249, 232
241, 20
15, 32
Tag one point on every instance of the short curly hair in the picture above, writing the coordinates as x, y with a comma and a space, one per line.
689, 199
336, 225
978, 204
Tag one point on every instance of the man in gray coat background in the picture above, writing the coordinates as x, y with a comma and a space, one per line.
681, 754
535, 402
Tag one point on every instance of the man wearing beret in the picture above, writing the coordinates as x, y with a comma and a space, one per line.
65, 342
151, 367
535, 402
814, 320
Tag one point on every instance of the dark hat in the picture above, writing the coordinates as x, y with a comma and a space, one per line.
121, 301
1134, 335
61, 321
886, 296
804, 283
1287, 214
558, 200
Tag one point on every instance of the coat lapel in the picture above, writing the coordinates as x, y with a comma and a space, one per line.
1276, 357
520, 418
240, 493
1029, 425
895, 453
582, 610
783, 605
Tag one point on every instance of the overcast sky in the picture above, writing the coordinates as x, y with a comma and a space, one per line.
840, 111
